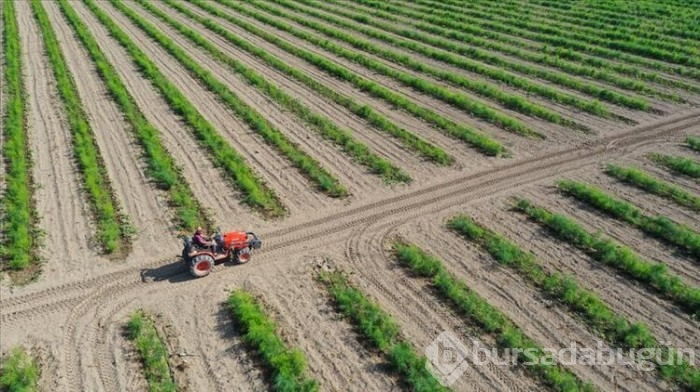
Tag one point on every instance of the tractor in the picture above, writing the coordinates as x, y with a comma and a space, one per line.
233, 246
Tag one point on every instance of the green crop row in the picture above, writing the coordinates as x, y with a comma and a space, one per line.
622, 258
160, 167
592, 310
657, 226
381, 331
465, 62
452, 97
491, 320
152, 351
651, 184
598, 23
19, 372
474, 35
511, 27
472, 137
286, 366
693, 142
18, 218
112, 229
686, 166
631, 42
307, 165
556, 36
487, 90
255, 194
322, 124
377, 120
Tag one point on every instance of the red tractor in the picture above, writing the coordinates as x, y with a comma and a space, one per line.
234, 246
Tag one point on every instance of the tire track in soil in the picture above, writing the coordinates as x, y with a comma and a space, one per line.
457, 191
63, 211
508, 176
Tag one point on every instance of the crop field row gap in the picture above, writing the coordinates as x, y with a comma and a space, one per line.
508, 26
444, 54
371, 116
320, 123
563, 59
262, 12
472, 137
253, 192
113, 229
485, 89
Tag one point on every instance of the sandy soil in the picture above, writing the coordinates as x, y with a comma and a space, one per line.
73, 318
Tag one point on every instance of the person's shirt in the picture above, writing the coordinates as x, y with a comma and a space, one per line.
199, 239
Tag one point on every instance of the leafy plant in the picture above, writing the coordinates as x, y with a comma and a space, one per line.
381, 331
152, 351
681, 165
651, 184
287, 366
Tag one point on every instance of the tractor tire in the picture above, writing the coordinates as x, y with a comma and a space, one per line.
201, 266
243, 255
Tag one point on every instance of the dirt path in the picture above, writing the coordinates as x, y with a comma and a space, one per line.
90, 310
61, 206
147, 207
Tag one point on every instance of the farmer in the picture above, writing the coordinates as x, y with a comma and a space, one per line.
198, 239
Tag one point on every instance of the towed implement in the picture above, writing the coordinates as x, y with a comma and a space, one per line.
233, 246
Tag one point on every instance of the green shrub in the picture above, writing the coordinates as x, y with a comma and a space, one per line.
651, 184
287, 366
18, 222
152, 351
19, 372
693, 142
682, 165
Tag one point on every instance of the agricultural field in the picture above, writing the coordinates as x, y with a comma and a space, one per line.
523, 176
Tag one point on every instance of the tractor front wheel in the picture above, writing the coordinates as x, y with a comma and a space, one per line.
243, 255
201, 265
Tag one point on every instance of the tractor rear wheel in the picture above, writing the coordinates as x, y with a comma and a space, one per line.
201, 265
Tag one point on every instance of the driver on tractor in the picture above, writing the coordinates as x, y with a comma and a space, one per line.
200, 241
